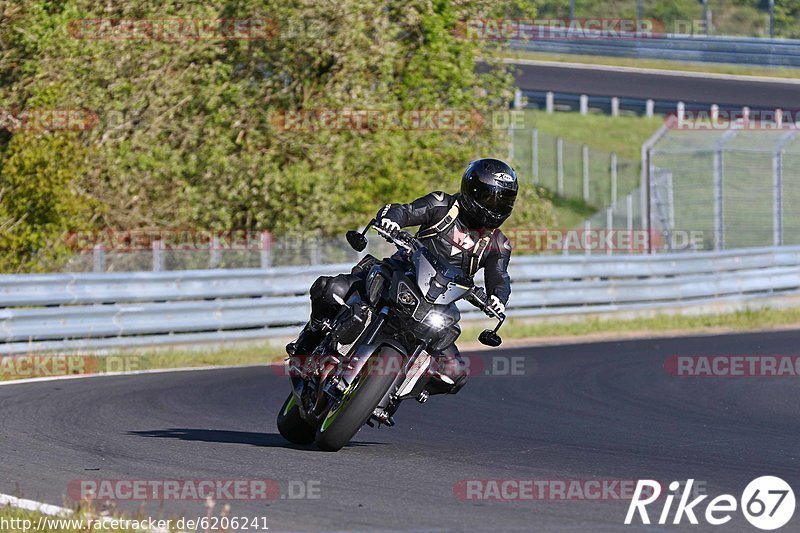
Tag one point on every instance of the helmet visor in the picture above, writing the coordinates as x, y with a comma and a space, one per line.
497, 201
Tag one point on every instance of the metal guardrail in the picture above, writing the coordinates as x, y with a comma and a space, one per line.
92, 311
740, 50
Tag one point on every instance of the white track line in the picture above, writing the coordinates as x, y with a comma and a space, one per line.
52, 510
656, 71
31, 505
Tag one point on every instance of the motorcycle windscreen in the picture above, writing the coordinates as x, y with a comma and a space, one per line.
440, 283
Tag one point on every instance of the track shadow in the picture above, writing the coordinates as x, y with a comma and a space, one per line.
267, 440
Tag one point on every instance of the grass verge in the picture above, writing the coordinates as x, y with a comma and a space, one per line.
85, 518
746, 320
519, 329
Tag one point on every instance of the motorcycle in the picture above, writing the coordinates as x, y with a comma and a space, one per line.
377, 350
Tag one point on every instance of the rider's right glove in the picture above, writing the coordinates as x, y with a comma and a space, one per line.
496, 305
389, 225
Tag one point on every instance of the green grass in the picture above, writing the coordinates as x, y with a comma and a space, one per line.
603, 134
747, 320
623, 134
79, 518
661, 64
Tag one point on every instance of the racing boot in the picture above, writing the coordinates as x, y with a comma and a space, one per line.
448, 374
309, 338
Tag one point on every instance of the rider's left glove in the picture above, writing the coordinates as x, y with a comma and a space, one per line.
389, 225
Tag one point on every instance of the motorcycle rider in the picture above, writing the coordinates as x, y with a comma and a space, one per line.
460, 228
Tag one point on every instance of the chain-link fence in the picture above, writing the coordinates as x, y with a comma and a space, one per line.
734, 188
264, 251
572, 170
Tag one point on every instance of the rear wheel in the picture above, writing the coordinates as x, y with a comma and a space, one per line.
292, 426
342, 423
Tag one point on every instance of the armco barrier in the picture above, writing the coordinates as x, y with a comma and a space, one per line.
738, 50
86, 311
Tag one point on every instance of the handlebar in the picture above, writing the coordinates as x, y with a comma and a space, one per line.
400, 238
406, 241
403, 239
478, 297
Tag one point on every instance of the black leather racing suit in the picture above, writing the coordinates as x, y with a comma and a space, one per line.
445, 233
456, 242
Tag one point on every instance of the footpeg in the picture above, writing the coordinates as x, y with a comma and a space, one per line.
381, 416
423, 396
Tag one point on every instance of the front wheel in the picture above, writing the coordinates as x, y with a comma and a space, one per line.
292, 426
343, 422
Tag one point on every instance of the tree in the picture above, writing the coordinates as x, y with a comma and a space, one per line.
188, 135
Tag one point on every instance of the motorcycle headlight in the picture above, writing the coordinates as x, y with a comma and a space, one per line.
436, 320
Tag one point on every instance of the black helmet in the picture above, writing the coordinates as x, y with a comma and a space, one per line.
488, 191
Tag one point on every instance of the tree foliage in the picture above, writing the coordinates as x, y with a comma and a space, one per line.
187, 136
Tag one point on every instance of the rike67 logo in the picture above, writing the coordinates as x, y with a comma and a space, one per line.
767, 503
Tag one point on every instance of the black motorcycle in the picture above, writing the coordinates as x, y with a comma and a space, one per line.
377, 351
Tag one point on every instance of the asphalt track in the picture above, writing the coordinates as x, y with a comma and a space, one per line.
590, 411
658, 86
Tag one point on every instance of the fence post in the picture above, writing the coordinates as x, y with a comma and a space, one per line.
158, 256
614, 106
517, 99
777, 198
613, 179
535, 154
609, 228
98, 258
587, 228
549, 104
719, 240
649, 108
215, 254
585, 158
584, 104
560, 165
510, 143
777, 188
316, 251
266, 249
629, 218
681, 112
670, 203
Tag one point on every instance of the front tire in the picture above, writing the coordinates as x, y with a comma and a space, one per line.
292, 426
341, 424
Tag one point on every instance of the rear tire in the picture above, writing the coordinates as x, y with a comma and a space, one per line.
292, 426
333, 435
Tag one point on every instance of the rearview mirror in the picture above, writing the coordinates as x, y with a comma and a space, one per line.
356, 241
490, 338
